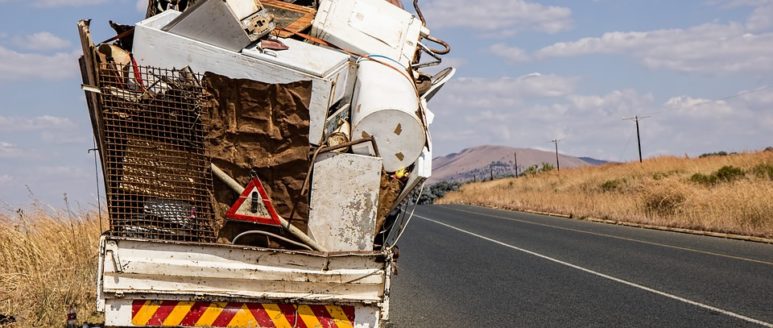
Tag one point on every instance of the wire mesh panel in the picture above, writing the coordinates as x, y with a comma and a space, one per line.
158, 178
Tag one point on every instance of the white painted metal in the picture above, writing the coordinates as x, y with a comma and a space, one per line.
384, 106
213, 22
344, 201
368, 27
327, 69
438, 82
136, 269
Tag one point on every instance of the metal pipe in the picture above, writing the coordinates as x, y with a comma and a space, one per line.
370, 139
266, 233
220, 174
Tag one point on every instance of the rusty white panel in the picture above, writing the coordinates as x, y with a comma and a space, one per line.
327, 69
132, 268
344, 200
369, 27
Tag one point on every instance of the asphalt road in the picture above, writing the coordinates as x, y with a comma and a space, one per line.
466, 266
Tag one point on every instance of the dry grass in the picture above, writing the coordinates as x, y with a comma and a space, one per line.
661, 191
48, 262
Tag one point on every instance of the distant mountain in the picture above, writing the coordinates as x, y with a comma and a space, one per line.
480, 162
593, 161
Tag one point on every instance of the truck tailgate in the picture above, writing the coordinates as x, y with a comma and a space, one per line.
141, 281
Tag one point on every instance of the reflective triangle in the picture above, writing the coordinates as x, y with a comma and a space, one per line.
254, 206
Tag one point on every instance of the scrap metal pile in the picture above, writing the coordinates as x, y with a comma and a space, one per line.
285, 124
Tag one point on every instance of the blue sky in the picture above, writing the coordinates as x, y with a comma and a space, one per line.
529, 71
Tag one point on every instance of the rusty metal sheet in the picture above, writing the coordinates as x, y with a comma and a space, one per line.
175, 270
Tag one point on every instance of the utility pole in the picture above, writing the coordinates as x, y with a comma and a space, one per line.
491, 170
515, 166
636, 119
558, 165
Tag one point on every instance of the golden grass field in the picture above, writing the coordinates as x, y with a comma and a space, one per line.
48, 262
663, 191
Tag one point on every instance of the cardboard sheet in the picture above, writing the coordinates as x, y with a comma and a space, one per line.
262, 128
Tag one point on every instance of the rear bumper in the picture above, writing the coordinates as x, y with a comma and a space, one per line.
137, 277
146, 313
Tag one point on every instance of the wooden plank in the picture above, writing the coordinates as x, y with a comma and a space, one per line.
289, 18
89, 69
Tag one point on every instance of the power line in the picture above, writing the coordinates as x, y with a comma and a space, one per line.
625, 146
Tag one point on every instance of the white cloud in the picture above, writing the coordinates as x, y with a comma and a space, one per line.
9, 150
504, 17
70, 172
39, 123
739, 3
20, 65
529, 111
699, 107
65, 137
5, 179
40, 41
761, 18
616, 103
509, 53
710, 48
485, 93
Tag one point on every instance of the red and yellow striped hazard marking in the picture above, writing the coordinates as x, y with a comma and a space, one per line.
239, 315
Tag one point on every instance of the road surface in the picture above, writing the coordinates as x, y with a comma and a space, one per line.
464, 266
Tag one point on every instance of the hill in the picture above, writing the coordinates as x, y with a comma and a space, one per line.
474, 163
731, 193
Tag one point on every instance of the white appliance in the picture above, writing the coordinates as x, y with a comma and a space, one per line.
327, 69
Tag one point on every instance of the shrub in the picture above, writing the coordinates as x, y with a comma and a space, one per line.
433, 192
729, 173
612, 185
719, 153
702, 179
724, 174
660, 175
531, 170
763, 171
663, 202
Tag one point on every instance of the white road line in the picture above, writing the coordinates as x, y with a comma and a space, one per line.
613, 236
605, 276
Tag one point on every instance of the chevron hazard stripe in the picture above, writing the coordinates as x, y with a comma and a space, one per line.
239, 315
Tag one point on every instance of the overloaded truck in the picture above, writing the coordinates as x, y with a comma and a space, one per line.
259, 159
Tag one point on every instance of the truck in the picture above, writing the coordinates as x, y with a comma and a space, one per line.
259, 159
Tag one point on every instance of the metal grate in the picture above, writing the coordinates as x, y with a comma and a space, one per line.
158, 178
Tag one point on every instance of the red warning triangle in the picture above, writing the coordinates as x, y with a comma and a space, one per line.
254, 206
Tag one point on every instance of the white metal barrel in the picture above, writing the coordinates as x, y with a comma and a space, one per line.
385, 106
